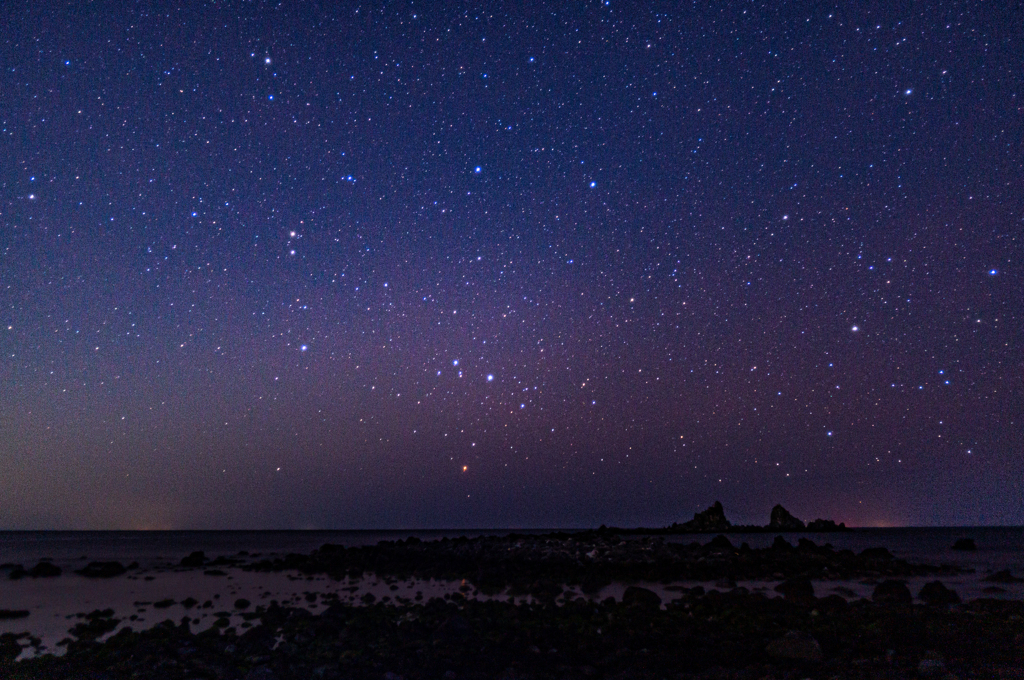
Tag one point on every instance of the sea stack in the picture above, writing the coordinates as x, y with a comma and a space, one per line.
712, 519
781, 520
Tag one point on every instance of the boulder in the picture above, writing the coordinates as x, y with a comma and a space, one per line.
195, 559
782, 544
797, 589
964, 544
720, 543
876, 554
641, 597
102, 570
7, 614
937, 593
781, 520
712, 519
45, 570
795, 645
1003, 576
892, 591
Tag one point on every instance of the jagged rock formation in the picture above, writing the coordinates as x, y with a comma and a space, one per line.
781, 520
712, 519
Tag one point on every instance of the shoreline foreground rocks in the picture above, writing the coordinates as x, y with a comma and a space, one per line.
537, 626
534, 607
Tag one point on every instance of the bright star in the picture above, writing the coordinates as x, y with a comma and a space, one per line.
455, 363
855, 329
478, 169
490, 378
304, 348
266, 60
593, 184
991, 272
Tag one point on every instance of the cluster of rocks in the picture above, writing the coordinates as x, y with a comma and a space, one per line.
539, 565
713, 520
44, 569
700, 635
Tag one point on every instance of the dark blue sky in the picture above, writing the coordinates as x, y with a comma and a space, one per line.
410, 265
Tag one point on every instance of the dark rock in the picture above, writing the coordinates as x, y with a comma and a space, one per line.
545, 590
45, 570
936, 592
97, 622
195, 559
102, 570
795, 645
797, 589
641, 597
806, 545
215, 572
242, 603
712, 519
781, 520
720, 542
876, 554
1003, 576
163, 604
892, 591
593, 583
6, 614
781, 544
832, 603
964, 544
9, 648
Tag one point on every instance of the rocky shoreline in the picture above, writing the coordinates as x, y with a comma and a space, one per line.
530, 606
699, 635
536, 564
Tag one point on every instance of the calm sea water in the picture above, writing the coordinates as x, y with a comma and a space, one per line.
998, 547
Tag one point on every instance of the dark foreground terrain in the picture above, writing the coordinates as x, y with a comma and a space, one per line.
785, 633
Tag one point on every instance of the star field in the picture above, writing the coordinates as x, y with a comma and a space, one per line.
404, 265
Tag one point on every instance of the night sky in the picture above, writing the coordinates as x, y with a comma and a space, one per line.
410, 265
